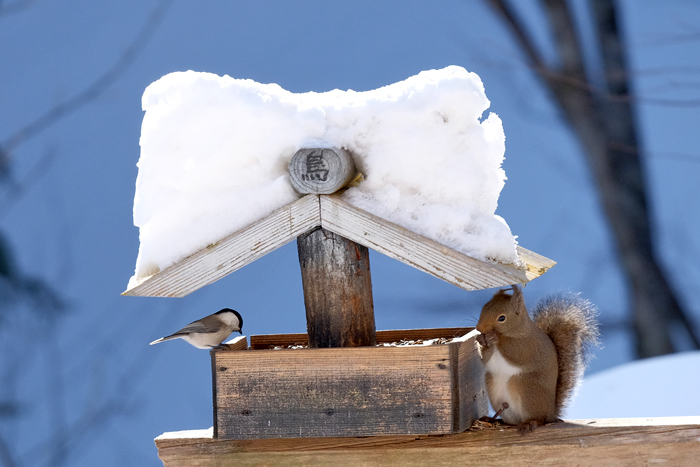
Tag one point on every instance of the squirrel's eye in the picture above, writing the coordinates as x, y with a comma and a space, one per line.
502, 318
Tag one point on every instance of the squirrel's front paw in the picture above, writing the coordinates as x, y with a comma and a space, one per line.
488, 338
491, 337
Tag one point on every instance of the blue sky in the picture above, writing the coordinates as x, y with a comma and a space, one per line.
72, 225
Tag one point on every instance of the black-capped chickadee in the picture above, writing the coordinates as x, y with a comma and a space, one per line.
210, 331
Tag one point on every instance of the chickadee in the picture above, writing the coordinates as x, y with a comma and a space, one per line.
210, 331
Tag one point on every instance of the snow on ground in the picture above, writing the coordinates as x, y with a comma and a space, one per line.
656, 387
215, 151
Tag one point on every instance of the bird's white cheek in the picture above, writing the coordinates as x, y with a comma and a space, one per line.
230, 320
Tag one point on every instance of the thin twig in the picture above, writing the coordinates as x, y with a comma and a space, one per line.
6, 455
95, 89
15, 7
101, 414
17, 189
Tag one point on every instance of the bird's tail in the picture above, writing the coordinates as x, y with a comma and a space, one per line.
163, 339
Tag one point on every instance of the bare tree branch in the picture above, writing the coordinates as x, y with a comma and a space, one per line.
518, 28
90, 93
6, 454
17, 188
18, 6
59, 444
57, 447
603, 120
655, 302
567, 43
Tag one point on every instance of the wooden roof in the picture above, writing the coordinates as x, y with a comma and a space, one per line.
330, 212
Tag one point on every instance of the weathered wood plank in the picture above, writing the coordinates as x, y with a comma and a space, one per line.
337, 286
358, 391
602, 442
233, 252
473, 401
422, 253
352, 391
536, 264
331, 213
237, 343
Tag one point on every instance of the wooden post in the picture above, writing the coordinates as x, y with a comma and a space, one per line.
334, 270
337, 290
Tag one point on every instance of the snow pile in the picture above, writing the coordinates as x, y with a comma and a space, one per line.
215, 150
657, 387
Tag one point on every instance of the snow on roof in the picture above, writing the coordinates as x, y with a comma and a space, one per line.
215, 151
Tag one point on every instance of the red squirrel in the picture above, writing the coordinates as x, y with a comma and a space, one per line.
534, 364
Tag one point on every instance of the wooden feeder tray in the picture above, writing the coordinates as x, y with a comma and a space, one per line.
261, 392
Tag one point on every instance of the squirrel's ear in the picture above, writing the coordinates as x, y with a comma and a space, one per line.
513, 288
518, 296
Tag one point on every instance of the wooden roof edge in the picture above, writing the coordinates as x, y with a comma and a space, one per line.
535, 263
232, 252
288, 222
425, 254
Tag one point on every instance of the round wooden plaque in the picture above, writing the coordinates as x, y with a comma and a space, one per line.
321, 170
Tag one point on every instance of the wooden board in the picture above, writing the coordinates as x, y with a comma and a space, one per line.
337, 284
535, 265
238, 343
332, 213
358, 391
422, 253
673, 441
233, 252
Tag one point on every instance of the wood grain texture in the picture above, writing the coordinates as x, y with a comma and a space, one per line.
422, 253
337, 286
233, 252
330, 212
348, 391
237, 343
535, 264
321, 170
333, 392
603, 442
473, 400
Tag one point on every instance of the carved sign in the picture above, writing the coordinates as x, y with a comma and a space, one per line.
316, 166
321, 170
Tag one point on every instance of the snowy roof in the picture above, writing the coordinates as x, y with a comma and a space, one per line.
332, 213
214, 193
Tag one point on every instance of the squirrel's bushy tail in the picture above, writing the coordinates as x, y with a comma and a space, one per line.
570, 321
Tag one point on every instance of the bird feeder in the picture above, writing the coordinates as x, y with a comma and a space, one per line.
345, 381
